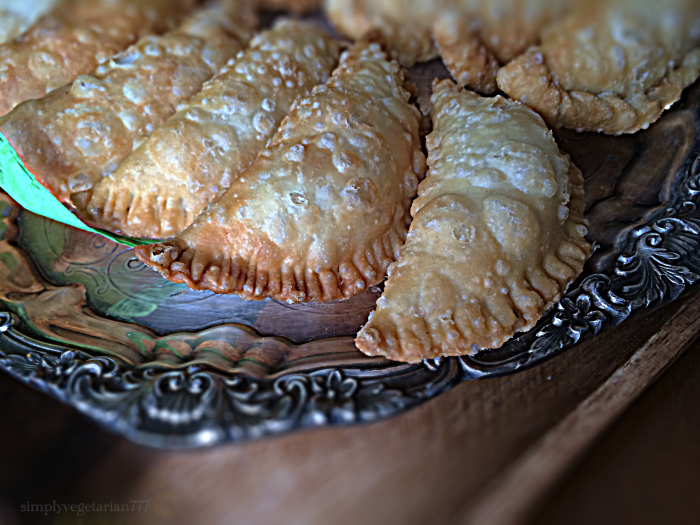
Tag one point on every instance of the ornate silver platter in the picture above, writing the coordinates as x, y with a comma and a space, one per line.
82, 320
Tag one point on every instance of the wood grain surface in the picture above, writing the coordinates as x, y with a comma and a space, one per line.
646, 469
515, 492
439, 463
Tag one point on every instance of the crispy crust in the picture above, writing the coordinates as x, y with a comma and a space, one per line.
77, 134
323, 211
166, 183
469, 61
507, 28
405, 33
473, 36
73, 39
497, 234
612, 68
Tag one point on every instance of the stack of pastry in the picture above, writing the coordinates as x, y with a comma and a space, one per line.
277, 167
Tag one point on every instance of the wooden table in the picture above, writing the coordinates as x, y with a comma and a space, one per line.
646, 468
490, 452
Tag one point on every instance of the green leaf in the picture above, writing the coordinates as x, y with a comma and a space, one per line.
23, 187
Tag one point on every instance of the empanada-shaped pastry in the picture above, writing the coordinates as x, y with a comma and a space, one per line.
473, 35
79, 133
613, 67
73, 39
17, 15
163, 185
496, 238
324, 210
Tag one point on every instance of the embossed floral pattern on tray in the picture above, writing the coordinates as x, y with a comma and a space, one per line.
85, 323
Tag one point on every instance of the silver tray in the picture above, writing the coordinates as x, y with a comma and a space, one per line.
84, 321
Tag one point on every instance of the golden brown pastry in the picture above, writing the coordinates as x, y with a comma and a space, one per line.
507, 28
17, 15
473, 35
79, 133
73, 39
613, 67
470, 63
496, 238
324, 210
405, 24
164, 184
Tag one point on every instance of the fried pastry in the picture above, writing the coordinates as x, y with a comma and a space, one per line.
473, 36
470, 63
496, 238
166, 183
17, 15
79, 133
73, 39
404, 24
507, 28
324, 209
612, 67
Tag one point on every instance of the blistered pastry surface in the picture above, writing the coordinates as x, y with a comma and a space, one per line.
165, 184
324, 210
73, 38
474, 35
79, 133
497, 235
405, 25
613, 66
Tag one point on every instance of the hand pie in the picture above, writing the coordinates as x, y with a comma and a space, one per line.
473, 36
613, 67
73, 39
324, 209
163, 185
496, 237
17, 15
79, 133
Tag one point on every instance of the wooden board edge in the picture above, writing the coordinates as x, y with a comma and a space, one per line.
514, 495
